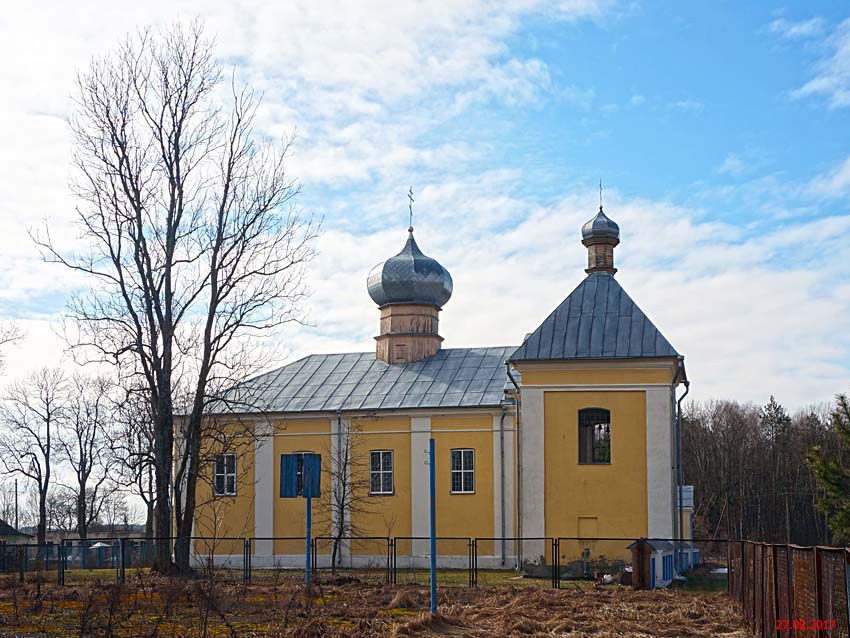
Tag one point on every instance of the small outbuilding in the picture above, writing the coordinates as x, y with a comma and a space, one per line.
652, 563
9, 534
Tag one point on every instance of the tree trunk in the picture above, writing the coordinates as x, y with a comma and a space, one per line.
41, 530
187, 513
82, 526
164, 461
334, 555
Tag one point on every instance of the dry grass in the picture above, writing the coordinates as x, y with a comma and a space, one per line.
158, 608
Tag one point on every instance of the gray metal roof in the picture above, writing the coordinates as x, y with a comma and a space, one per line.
598, 320
410, 277
659, 545
456, 377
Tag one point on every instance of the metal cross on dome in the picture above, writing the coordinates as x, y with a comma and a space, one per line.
410, 207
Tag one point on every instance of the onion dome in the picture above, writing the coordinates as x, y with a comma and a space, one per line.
600, 226
410, 277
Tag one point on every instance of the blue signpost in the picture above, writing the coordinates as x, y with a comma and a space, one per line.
308, 468
433, 491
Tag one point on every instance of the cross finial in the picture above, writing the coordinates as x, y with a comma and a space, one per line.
600, 194
410, 207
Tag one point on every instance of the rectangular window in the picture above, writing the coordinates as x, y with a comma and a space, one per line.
594, 436
299, 461
463, 471
224, 475
381, 472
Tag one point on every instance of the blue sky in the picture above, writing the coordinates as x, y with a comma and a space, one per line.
720, 132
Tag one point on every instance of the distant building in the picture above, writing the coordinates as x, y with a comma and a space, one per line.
569, 434
9, 534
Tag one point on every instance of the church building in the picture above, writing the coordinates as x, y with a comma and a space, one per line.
568, 433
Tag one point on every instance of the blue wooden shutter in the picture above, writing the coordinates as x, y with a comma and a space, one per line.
312, 475
288, 475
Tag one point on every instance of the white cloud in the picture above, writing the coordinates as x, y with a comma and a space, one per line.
833, 183
732, 165
693, 106
800, 30
832, 72
364, 86
749, 322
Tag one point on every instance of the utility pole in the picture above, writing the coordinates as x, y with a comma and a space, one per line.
16, 505
433, 531
787, 521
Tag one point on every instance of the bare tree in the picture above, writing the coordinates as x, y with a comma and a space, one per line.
32, 411
131, 445
193, 243
748, 467
61, 509
7, 503
115, 515
350, 485
9, 333
83, 443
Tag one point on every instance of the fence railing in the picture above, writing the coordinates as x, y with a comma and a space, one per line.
791, 590
402, 559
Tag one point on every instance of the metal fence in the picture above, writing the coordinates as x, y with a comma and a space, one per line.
462, 561
791, 590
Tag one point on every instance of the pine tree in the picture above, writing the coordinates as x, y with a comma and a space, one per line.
774, 419
833, 476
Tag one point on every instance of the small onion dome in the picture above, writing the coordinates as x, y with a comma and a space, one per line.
410, 277
600, 226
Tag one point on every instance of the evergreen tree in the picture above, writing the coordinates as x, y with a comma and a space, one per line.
774, 419
833, 475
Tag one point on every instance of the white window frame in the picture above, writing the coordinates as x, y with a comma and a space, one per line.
381, 472
463, 471
225, 475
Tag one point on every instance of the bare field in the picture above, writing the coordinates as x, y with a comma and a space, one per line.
160, 607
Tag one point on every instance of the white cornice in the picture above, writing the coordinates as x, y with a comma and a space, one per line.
600, 364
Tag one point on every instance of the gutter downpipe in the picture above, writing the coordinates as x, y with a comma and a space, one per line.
502, 474
674, 424
518, 428
680, 474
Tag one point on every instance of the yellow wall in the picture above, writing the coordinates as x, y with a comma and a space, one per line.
290, 513
466, 515
380, 515
596, 376
218, 517
614, 494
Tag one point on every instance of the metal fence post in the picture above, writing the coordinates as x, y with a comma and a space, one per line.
847, 582
554, 544
789, 562
60, 571
245, 561
122, 545
469, 562
775, 588
761, 603
395, 562
818, 586
475, 564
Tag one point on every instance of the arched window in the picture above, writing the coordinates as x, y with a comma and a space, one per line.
594, 435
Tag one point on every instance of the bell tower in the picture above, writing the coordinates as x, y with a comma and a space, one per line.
410, 289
